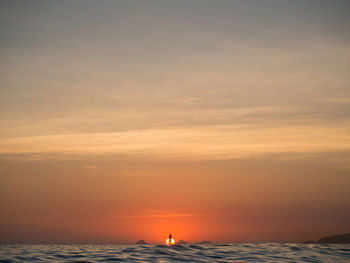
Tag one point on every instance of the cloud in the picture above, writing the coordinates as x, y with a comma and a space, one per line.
162, 215
191, 143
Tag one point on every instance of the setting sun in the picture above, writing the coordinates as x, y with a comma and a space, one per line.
170, 240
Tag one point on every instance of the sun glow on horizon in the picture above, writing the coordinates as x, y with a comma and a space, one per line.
170, 241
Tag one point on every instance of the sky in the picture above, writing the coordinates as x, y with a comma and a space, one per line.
213, 120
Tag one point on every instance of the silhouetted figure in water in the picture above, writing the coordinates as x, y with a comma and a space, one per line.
170, 237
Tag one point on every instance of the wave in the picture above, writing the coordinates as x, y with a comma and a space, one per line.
254, 252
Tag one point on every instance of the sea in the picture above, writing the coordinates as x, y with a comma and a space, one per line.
254, 252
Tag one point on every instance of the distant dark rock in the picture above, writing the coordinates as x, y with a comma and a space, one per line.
205, 242
141, 242
337, 239
181, 242
309, 242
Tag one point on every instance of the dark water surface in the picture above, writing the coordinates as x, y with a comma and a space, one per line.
256, 252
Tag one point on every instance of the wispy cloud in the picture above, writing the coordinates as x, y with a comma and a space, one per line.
206, 142
162, 215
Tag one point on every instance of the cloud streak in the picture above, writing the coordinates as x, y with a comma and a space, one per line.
207, 142
162, 216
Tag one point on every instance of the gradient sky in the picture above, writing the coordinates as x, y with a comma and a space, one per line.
215, 120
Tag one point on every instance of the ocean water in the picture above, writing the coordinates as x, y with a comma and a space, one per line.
255, 252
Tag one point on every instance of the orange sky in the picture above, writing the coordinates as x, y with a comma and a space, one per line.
122, 200
225, 121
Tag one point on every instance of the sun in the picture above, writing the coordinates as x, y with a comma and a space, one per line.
170, 240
